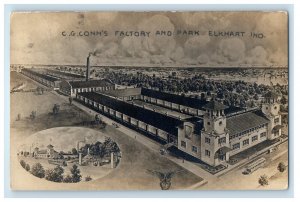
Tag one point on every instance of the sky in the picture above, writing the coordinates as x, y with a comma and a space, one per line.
47, 38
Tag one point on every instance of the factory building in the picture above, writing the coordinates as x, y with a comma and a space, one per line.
64, 75
41, 77
212, 137
71, 88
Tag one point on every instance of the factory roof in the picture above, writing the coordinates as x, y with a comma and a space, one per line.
68, 74
39, 74
123, 92
244, 121
178, 99
91, 83
185, 101
158, 120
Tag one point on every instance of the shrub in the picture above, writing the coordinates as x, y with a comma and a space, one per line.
27, 167
88, 178
38, 170
281, 167
263, 180
55, 175
23, 164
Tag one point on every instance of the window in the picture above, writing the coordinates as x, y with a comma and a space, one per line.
183, 144
208, 123
222, 140
207, 153
220, 123
207, 140
245, 142
254, 138
194, 149
236, 146
264, 134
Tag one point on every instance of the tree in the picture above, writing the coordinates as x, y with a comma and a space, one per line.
88, 178
27, 167
38, 170
263, 180
23, 164
55, 175
76, 177
281, 167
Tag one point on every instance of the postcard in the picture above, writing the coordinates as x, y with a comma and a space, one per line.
149, 100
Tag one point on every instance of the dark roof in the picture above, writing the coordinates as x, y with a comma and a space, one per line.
90, 83
178, 99
214, 105
68, 74
244, 121
155, 119
44, 76
123, 92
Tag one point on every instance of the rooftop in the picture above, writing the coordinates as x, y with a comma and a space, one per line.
245, 121
91, 83
123, 92
150, 117
40, 74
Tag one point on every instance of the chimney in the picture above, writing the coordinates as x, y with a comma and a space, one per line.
87, 76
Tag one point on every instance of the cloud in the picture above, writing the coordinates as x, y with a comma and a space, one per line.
203, 59
257, 55
194, 46
233, 49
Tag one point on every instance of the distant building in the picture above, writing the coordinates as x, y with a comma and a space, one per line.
41, 77
48, 153
71, 88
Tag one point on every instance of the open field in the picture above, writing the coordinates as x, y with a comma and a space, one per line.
130, 174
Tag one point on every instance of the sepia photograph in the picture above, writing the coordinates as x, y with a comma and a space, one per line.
149, 100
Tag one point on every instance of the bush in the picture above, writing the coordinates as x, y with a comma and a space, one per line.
23, 164
281, 167
263, 180
27, 167
88, 178
55, 175
38, 170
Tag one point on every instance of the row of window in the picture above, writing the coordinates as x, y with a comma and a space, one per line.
247, 131
220, 141
90, 89
246, 142
194, 148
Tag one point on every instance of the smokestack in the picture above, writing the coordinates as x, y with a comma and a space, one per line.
87, 75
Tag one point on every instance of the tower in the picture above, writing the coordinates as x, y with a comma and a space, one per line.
214, 135
270, 108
